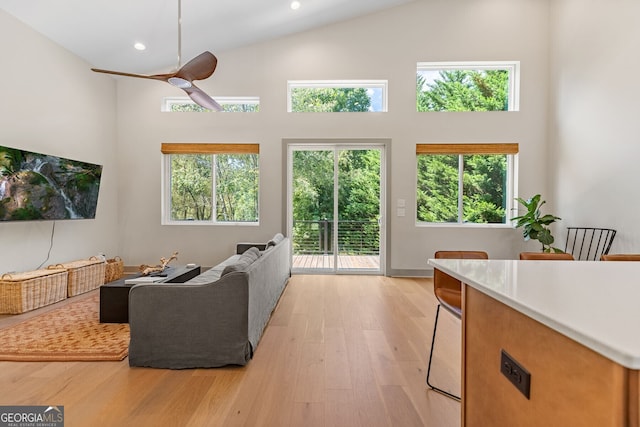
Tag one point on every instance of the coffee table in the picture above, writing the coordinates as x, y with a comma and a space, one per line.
114, 296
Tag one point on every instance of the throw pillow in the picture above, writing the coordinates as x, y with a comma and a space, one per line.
251, 254
239, 266
275, 240
243, 262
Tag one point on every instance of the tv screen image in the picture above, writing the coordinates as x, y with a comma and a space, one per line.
35, 186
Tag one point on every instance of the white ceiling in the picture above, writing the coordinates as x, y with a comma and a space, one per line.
103, 31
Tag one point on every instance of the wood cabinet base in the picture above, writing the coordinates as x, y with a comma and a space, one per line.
571, 385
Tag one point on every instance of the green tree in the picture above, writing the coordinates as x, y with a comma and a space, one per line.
464, 90
191, 187
227, 108
359, 179
437, 195
326, 100
313, 184
358, 198
236, 183
359, 201
312, 197
236, 187
484, 181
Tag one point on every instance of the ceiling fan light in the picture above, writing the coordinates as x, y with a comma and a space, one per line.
180, 83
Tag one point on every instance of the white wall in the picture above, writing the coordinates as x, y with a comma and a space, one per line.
385, 45
594, 126
52, 103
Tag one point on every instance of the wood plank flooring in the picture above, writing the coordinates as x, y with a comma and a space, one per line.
338, 351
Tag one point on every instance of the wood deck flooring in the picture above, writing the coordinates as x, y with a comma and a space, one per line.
345, 262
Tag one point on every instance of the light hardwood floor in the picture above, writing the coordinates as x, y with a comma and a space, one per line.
338, 351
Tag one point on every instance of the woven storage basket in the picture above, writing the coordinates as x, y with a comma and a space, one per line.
114, 269
20, 292
84, 275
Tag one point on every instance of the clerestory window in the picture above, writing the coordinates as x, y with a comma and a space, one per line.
336, 96
467, 86
230, 104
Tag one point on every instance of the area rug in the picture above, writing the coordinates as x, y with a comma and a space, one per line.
72, 332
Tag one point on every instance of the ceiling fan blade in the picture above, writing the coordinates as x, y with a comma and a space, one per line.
202, 99
199, 68
163, 77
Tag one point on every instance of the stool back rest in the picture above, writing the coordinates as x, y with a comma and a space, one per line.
443, 280
620, 257
589, 243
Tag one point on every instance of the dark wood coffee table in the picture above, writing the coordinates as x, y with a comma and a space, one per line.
114, 296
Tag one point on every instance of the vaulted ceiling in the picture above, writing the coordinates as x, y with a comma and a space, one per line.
103, 32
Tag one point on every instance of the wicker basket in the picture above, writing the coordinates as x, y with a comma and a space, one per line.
84, 275
27, 291
114, 269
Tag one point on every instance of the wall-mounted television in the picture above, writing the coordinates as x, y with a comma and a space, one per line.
35, 186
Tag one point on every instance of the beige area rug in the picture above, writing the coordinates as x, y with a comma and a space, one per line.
72, 332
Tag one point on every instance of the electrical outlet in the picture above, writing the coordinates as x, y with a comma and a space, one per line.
515, 373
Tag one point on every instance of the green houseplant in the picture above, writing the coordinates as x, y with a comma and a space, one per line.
535, 225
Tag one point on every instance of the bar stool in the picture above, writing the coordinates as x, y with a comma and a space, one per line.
448, 292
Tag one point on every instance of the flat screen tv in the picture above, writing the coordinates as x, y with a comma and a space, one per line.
36, 186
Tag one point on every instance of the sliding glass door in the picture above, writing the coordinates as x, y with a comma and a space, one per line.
335, 195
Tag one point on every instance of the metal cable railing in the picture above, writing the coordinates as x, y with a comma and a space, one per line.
354, 237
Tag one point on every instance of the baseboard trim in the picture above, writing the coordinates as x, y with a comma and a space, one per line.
410, 273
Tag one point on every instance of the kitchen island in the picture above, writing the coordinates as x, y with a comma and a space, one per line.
549, 343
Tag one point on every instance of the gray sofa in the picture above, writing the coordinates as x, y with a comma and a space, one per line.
216, 318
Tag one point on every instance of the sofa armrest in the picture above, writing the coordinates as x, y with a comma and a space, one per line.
243, 247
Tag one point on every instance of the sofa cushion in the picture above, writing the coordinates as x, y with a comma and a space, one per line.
275, 240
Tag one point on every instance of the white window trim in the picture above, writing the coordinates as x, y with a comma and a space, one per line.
511, 207
513, 67
317, 84
222, 100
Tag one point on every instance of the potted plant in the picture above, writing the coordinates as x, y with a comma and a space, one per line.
535, 225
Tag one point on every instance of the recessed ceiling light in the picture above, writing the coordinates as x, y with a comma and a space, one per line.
295, 5
139, 46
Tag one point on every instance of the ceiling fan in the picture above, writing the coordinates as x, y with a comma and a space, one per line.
199, 68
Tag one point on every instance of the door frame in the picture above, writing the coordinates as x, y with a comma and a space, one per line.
383, 145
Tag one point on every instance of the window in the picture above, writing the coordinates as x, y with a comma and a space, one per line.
466, 183
230, 104
337, 96
210, 183
467, 86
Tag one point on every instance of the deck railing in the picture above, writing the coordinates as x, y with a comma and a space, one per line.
354, 237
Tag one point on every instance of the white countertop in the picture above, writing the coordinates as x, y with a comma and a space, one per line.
596, 303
